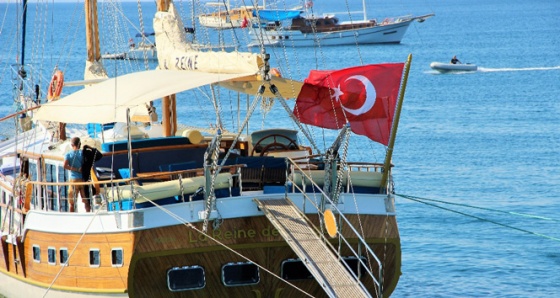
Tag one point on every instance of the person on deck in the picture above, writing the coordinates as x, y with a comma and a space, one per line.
73, 162
454, 60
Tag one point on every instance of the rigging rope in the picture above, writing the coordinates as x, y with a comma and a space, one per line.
424, 201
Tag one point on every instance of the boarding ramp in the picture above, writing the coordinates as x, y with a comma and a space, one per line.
327, 269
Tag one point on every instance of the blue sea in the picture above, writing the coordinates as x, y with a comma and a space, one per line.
477, 158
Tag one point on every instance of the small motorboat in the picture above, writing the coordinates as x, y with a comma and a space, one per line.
449, 67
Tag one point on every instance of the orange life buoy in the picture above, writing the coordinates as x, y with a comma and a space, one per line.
55, 86
275, 72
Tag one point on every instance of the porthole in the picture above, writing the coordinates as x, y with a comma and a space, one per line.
63, 256
36, 253
51, 255
94, 259
185, 278
293, 269
240, 274
117, 257
355, 265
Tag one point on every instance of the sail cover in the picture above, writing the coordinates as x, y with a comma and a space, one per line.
108, 101
277, 15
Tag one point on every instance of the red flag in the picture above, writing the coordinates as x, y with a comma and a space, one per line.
244, 23
366, 96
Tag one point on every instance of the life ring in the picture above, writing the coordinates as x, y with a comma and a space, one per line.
55, 86
275, 72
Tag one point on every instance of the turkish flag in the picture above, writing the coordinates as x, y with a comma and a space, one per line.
364, 96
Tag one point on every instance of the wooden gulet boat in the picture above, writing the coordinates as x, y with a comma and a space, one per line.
299, 28
226, 17
179, 214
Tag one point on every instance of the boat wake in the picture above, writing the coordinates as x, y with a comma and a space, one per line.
484, 69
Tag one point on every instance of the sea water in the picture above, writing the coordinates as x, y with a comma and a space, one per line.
477, 157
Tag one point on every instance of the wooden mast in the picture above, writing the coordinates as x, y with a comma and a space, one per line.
92, 44
387, 164
92, 31
168, 103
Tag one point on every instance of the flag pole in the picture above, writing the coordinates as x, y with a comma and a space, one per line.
388, 156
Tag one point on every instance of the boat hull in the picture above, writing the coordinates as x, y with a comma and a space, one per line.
449, 67
379, 34
183, 248
232, 18
152, 245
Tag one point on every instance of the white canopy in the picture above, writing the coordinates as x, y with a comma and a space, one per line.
107, 101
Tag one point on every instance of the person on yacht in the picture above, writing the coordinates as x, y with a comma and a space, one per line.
454, 60
73, 162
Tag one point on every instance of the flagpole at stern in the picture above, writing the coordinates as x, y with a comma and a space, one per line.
389, 155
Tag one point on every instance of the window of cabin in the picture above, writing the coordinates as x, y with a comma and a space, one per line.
186, 278
33, 169
36, 253
63, 189
117, 257
294, 269
32, 174
240, 274
63, 256
94, 259
51, 255
51, 190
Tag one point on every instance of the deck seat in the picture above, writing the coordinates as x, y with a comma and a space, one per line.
361, 181
167, 189
144, 143
274, 171
252, 174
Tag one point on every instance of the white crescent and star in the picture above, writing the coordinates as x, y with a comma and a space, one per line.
370, 95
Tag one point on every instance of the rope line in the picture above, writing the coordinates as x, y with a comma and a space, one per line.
483, 208
423, 201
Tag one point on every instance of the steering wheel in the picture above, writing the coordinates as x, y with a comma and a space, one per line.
276, 145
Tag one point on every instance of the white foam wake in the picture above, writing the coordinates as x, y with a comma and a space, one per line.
484, 69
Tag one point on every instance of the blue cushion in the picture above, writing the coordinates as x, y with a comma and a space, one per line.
274, 189
125, 173
126, 205
275, 163
144, 143
180, 166
253, 161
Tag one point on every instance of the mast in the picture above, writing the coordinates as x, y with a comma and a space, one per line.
387, 164
364, 9
23, 29
92, 31
168, 103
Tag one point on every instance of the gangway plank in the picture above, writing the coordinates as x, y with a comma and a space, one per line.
322, 263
